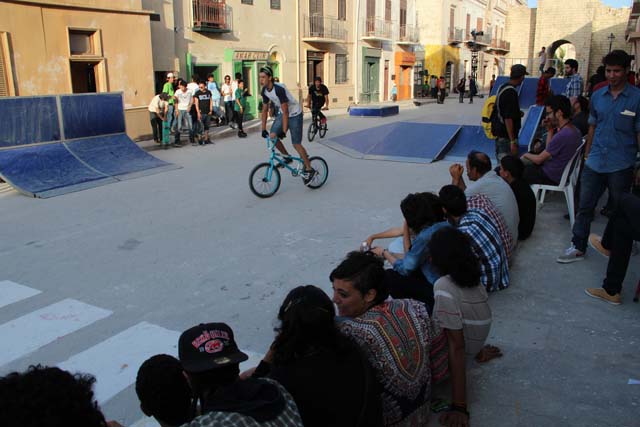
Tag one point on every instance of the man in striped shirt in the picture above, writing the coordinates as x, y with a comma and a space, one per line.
485, 238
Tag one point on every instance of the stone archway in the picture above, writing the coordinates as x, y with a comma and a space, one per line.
558, 52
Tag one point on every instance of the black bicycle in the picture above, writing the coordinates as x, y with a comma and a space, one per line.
316, 126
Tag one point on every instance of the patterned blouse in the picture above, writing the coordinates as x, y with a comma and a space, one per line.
399, 340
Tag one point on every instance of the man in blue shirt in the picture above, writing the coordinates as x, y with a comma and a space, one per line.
612, 146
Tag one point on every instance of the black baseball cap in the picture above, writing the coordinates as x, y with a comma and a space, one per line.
208, 346
518, 70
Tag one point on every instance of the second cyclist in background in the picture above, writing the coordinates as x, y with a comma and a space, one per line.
318, 99
288, 118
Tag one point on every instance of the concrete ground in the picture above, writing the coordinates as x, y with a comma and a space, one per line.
194, 245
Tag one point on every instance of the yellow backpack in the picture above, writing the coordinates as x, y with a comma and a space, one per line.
491, 118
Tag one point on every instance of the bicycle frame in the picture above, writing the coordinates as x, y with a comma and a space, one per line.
276, 159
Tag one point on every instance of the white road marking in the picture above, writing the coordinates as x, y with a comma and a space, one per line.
11, 292
115, 361
32, 331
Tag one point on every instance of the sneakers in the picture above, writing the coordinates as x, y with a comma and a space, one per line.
308, 176
570, 255
242, 134
595, 242
600, 293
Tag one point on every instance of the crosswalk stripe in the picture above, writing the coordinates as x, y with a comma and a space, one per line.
11, 292
115, 361
26, 334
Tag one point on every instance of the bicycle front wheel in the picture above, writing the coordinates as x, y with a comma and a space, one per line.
322, 172
322, 130
311, 133
264, 180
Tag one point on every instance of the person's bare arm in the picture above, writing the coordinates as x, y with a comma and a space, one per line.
326, 102
307, 101
265, 114
197, 104
538, 159
406, 237
456, 171
590, 134
508, 122
285, 117
386, 234
457, 368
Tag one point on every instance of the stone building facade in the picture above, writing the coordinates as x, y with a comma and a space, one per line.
586, 24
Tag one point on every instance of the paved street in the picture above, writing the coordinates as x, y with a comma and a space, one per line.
98, 278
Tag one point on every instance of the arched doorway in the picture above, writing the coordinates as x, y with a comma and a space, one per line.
558, 52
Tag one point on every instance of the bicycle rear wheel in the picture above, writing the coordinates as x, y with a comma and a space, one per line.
322, 172
259, 181
311, 133
322, 130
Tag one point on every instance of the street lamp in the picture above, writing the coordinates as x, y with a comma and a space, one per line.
611, 38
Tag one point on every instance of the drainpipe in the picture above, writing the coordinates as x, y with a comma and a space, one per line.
356, 52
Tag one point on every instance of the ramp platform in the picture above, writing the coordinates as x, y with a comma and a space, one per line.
374, 111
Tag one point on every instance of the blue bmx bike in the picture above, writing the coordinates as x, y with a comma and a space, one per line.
264, 179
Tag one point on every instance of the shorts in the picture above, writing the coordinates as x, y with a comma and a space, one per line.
295, 127
206, 121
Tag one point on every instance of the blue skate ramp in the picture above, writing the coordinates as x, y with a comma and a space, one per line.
529, 127
500, 80
374, 110
92, 114
117, 156
28, 120
528, 90
558, 85
47, 170
403, 141
470, 138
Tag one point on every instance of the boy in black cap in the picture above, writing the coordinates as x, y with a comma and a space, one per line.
509, 117
211, 360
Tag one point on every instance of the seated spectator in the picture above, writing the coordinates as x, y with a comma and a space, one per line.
49, 397
547, 167
511, 169
482, 203
486, 181
581, 115
616, 244
211, 360
412, 275
401, 342
329, 378
485, 241
163, 391
462, 311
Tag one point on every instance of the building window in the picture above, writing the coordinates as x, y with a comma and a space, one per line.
342, 10
275, 4
81, 42
387, 10
247, 1
342, 66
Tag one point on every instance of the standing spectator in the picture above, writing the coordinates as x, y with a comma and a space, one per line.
462, 311
318, 98
394, 92
239, 106
328, 376
616, 244
434, 86
486, 181
511, 169
215, 97
442, 89
461, 89
234, 87
412, 275
158, 109
473, 89
492, 83
184, 98
163, 391
509, 117
563, 139
611, 150
227, 97
544, 86
204, 111
48, 396
575, 86
211, 360
596, 79
485, 240
542, 57
399, 339
169, 89
193, 85
581, 115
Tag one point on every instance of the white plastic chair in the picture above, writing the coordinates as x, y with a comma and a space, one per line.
567, 183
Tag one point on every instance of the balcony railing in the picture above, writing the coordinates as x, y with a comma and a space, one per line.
324, 28
500, 45
408, 34
378, 29
211, 16
455, 35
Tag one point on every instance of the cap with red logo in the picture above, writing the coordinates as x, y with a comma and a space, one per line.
208, 346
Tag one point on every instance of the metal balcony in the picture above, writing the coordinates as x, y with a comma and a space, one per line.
324, 29
211, 16
500, 46
455, 35
408, 35
376, 29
